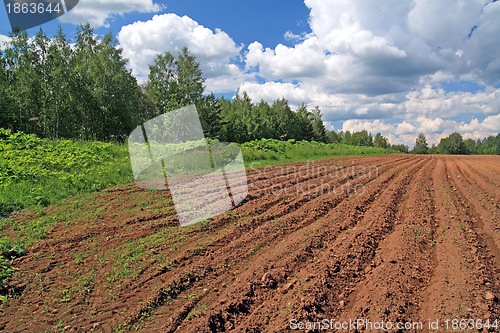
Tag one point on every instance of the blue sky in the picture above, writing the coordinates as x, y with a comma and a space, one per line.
396, 67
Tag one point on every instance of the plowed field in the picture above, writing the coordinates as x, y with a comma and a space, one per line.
397, 238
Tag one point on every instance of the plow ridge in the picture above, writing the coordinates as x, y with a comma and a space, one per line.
417, 240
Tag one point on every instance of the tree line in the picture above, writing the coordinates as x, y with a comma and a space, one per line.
56, 89
455, 144
83, 90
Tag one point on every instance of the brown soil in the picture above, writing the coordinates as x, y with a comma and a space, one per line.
394, 238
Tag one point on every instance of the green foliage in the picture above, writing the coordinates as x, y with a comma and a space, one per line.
209, 111
308, 126
319, 129
5, 271
269, 145
362, 138
433, 150
8, 251
380, 141
243, 121
174, 82
421, 146
333, 137
36, 171
401, 148
54, 90
470, 147
453, 144
489, 146
271, 151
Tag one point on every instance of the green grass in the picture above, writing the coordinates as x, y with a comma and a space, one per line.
8, 250
266, 152
38, 172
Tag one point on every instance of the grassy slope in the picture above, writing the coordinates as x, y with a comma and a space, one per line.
37, 172
258, 154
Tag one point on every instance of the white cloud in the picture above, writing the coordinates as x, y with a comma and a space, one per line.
374, 65
369, 47
435, 102
224, 77
444, 23
376, 126
356, 47
378, 65
482, 49
142, 41
270, 91
99, 12
492, 123
305, 60
3, 41
293, 37
405, 128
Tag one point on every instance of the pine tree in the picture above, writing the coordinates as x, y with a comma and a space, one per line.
318, 125
381, 141
421, 146
174, 82
209, 111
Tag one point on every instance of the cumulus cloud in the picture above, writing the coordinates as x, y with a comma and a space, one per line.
381, 65
99, 12
142, 41
354, 47
375, 48
482, 48
404, 128
3, 41
450, 30
305, 60
399, 117
430, 102
436, 102
370, 64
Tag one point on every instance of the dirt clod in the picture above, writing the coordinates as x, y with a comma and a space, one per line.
489, 296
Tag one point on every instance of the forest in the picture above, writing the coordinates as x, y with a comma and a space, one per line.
59, 89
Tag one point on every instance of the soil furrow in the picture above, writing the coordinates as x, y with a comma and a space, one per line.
289, 273
403, 262
455, 290
416, 240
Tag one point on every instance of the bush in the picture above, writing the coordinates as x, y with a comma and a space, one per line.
454, 144
36, 171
